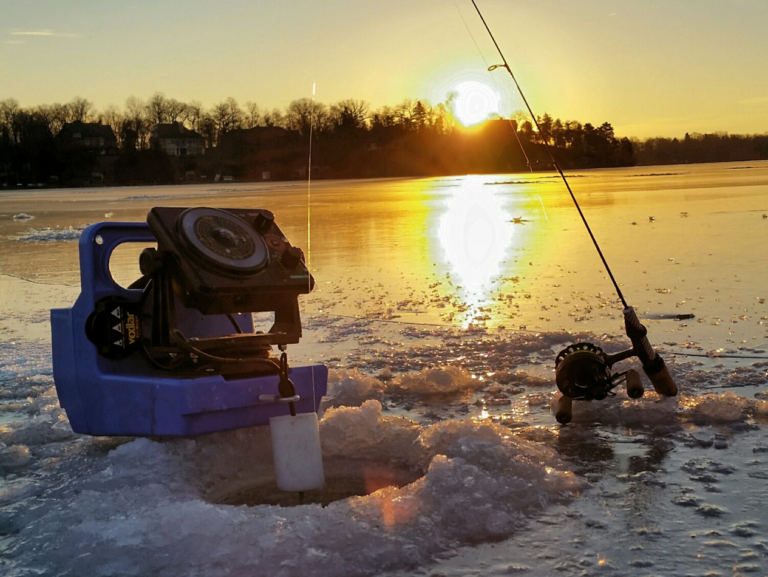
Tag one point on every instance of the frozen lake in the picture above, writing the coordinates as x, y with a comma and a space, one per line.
482, 279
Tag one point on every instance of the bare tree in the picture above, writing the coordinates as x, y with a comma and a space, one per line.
404, 113
273, 118
176, 111
442, 122
218, 117
383, 118
207, 127
350, 114
44, 114
80, 109
519, 117
450, 102
157, 109
305, 113
226, 116
9, 111
236, 116
252, 114
136, 122
113, 117
60, 114
193, 114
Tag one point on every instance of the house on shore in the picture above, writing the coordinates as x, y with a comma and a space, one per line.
93, 136
262, 152
175, 139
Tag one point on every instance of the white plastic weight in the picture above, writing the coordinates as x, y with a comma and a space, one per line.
297, 453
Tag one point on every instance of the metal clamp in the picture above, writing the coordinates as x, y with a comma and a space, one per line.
279, 399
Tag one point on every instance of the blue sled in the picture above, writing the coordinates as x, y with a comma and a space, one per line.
130, 397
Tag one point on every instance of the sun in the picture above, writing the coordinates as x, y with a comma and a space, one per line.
475, 102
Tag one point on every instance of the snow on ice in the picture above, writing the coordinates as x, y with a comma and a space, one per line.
76, 505
49, 234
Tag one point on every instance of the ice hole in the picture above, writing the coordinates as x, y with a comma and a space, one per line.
342, 480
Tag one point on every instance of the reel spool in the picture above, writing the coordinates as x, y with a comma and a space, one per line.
582, 372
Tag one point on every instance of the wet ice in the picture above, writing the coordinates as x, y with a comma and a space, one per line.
494, 486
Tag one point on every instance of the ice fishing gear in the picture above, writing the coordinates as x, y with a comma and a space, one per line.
176, 353
583, 370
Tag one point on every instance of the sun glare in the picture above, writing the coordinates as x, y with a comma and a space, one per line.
475, 233
475, 102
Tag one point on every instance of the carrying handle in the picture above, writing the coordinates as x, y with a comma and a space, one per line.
97, 242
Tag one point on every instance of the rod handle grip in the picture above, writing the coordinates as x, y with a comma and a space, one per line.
662, 381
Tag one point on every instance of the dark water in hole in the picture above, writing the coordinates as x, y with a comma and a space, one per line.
341, 481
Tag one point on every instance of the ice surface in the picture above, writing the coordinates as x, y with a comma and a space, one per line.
447, 380
350, 388
52, 234
145, 497
144, 506
78, 505
366, 433
458, 396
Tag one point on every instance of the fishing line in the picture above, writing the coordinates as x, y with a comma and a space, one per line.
541, 200
309, 188
528, 331
390, 321
40, 282
717, 356
309, 224
488, 68
555, 164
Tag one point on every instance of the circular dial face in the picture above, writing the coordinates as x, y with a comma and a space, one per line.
223, 239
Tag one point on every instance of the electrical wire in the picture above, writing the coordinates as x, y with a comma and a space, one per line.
189, 348
235, 324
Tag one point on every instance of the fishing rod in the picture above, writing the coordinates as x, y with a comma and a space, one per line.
555, 164
582, 370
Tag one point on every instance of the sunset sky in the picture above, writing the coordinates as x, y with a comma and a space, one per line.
650, 67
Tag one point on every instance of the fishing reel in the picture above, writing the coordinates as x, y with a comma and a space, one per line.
212, 267
583, 371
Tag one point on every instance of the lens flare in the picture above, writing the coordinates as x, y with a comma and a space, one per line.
475, 102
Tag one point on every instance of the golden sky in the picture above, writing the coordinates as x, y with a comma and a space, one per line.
650, 67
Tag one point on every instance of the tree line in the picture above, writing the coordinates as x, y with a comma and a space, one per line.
696, 147
350, 139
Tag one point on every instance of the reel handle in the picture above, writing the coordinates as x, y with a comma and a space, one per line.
564, 410
653, 364
634, 384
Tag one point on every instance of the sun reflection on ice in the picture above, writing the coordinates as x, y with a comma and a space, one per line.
475, 234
